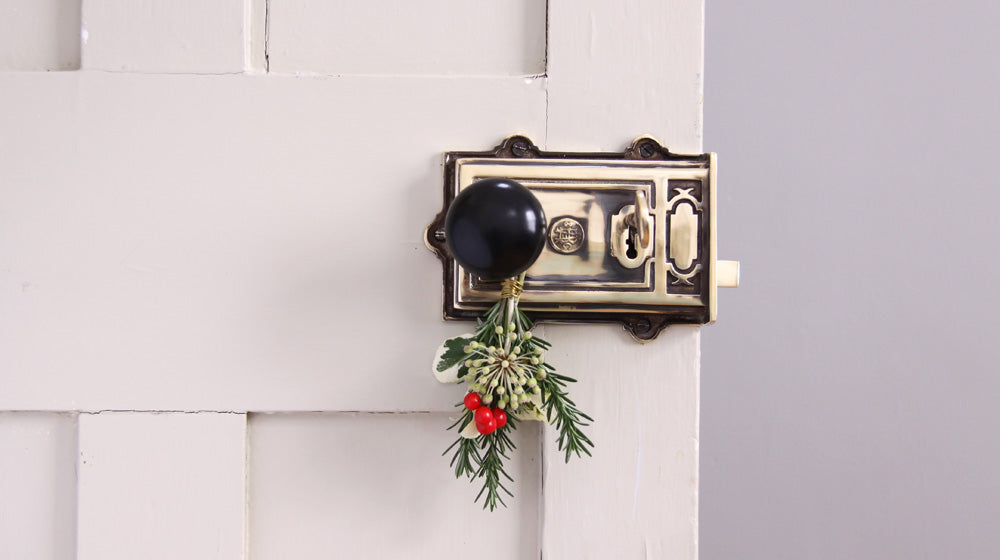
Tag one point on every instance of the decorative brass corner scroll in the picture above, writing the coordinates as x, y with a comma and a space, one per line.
630, 236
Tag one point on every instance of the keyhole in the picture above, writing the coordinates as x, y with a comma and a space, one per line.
630, 251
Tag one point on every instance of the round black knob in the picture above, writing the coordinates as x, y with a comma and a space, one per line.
495, 228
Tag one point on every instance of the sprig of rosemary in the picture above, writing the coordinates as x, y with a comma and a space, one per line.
489, 466
558, 407
466, 459
566, 417
491, 469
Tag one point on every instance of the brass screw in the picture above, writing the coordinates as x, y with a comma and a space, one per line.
519, 148
646, 149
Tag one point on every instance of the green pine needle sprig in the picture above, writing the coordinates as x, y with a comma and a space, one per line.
492, 471
566, 417
466, 459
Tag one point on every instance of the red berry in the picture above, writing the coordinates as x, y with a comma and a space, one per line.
500, 417
472, 401
483, 415
487, 428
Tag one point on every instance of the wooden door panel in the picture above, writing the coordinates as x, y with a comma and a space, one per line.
231, 243
177, 36
161, 486
374, 485
426, 37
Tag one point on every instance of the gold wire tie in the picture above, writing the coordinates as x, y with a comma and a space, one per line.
511, 288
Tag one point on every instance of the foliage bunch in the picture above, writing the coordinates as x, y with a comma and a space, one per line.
504, 365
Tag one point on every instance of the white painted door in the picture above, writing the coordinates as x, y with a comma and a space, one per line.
217, 313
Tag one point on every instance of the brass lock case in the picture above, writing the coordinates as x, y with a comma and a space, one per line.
630, 235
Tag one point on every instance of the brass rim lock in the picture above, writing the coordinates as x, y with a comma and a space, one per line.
625, 237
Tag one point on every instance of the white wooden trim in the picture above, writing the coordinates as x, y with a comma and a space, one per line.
37, 485
255, 32
637, 497
618, 70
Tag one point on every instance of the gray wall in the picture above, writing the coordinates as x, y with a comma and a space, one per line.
851, 392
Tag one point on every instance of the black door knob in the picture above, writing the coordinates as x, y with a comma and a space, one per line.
495, 228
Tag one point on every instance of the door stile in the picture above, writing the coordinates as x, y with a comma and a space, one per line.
617, 71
